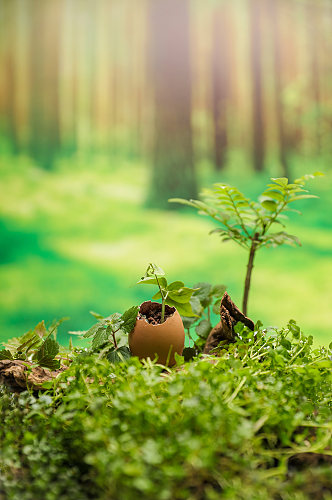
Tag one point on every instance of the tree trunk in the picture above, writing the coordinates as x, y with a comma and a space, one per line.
8, 40
220, 84
314, 67
258, 138
173, 166
44, 67
279, 106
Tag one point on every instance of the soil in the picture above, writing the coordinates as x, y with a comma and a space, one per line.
151, 312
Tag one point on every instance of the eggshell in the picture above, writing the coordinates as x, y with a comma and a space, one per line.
162, 340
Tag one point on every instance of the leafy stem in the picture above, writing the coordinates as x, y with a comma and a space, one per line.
174, 294
114, 338
250, 266
163, 294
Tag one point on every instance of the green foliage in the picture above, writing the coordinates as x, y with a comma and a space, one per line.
248, 223
243, 220
174, 294
205, 299
215, 428
108, 333
36, 345
46, 353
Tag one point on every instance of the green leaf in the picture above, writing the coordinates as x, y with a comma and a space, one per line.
182, 295
176, 285
301, 197
40, 330
154, 269
46, 354
179, 360
118, 355
324, 363
51, 364
153, 281
156, 296
183, 309
188, 321
114, 320
5, 354
258, 325
101, 336
276, 239
25, 346
96, 315
286, 344
281, 181
203, 293
92, 330
181, 201
239, 327
203, 328
218, 290
269, 205
196, 305
271, 193
216, 307
129, 319
307, 177
197, 310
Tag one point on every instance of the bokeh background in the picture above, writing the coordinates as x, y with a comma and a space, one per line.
110, 107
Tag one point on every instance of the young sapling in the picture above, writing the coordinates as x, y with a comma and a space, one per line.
107, 333
248, 223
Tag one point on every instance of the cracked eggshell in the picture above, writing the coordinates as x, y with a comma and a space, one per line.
162, 340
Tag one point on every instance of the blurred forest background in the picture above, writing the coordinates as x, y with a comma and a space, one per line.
110, 107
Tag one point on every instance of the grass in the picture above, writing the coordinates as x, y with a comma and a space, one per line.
79, 238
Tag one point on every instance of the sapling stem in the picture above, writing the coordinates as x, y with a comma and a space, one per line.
250, 267
163, 301
162, 311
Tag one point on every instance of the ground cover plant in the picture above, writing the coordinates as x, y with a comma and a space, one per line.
252, 421
109, 335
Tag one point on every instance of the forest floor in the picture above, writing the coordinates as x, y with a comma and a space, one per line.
78, 238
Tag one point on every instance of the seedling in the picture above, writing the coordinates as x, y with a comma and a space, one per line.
38, 346
175, 294
108, 332
248, 223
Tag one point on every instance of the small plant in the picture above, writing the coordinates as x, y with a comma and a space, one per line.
109, 334
205, 300
36, 346
175, 294
248, 223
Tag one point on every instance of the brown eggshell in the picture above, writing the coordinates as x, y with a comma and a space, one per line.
162, 340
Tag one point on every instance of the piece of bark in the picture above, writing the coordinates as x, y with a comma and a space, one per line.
19, 375
230, 314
